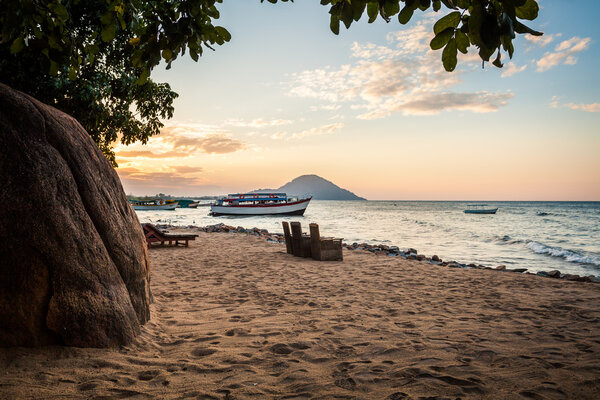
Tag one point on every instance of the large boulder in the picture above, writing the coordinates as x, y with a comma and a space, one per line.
73, 263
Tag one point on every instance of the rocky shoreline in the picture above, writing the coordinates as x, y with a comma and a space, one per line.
384, 250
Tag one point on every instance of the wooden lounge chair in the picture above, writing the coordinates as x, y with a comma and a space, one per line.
155, 235
288, 237
324, 249
300, 241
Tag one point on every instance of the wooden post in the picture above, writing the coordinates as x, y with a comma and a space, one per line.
288, 237
297, 245
315, 242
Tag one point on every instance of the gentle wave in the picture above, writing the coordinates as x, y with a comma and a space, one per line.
506, 239
568, 255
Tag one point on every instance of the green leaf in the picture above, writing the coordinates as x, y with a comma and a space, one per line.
106, 18
391, 8
334, 25
108, 33
424, 4
498, 62
72, 73
17, 45
405, 15
167, 54
224, 33
358, 8
437, 4
441, 39
528, 11
449, 56
143, 76
449, 4
450, 20
462, 42
372, 11
520, 28
53, 68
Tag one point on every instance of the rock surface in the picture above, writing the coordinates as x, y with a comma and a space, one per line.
74, 266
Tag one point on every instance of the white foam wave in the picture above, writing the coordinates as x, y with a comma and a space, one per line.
568, 255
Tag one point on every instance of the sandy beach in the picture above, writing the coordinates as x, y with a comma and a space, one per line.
235, 317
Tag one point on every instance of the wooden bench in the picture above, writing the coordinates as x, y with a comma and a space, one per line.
155, 235
302, 245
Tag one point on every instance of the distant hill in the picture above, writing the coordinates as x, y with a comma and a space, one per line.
319, 188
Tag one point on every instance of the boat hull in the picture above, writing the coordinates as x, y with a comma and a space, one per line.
155, 207
296, 208
492, 211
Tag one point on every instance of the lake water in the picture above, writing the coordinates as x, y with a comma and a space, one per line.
534, 235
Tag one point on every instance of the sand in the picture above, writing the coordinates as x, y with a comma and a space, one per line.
236, 317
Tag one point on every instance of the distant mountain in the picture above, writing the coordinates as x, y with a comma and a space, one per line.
319, 188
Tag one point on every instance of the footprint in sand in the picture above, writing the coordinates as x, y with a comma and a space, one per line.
203, 352
345, 383
281, 348
148, 375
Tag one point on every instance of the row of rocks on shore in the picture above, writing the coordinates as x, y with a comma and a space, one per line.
390, 251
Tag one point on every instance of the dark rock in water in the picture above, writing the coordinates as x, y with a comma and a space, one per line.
542, 273
553, 274
412, 251
435, 258
501, 267
74, 268
520, 270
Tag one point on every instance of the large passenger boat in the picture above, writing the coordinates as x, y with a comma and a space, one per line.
259, 204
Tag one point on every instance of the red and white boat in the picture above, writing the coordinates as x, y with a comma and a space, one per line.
259, 204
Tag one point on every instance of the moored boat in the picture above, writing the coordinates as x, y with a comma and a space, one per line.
156, 204
187, 203
480, 209
259, 204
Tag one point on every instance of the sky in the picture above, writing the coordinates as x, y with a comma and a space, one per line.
373, 111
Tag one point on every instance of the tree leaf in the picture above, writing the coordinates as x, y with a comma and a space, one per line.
17, 45
462, 42
405, 15
529, 10
441, 39
391, 8
167, 54
108, 33
449, 56
334, 25
520, 28
224, 33
372, 11
450, 20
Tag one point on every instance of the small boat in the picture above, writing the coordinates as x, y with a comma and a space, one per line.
480, 209
259, 204
187, 203
156, 204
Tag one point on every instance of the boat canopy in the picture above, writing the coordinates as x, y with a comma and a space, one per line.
256, 197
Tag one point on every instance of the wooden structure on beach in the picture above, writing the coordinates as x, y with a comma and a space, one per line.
302, 245
155, 235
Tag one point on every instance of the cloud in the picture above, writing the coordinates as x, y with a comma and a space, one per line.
258, 123
173, 180
593, 107
511, 69
150, 154
543, 40
403, 76
321, 130
192, 138
430, 104
564, 53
